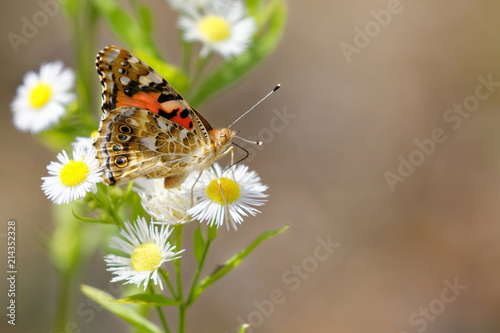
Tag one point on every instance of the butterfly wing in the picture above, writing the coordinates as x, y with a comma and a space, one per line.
128, 81
147, 129
135, 142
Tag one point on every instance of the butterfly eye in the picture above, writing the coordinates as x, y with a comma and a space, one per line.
121, 161
125, 129
122, 137
117, 148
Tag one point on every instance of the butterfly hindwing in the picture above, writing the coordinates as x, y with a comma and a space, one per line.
134, 142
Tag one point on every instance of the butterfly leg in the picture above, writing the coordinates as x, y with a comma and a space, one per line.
232, 160
192, 188
230, 150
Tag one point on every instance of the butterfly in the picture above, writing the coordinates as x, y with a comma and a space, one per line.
147, 129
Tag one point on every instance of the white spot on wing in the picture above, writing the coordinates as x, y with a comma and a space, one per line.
133, 60
149, 142
154, 78
124, 80
133, 122
144, 80
163, 126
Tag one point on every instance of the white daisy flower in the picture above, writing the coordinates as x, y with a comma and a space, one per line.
42, 98
71, 179
221, 26
83, 142
164, 205
146, 247
242, 189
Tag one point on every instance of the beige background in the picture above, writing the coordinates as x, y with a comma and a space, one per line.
325, 170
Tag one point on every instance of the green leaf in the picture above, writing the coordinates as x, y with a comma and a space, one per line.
86, 219
199, 244
71, 7
212, 232
265, 42
125, 26
234, 262
172, 74
125, 312
146, 18
134, 201
243, 328
148, 299
254, 7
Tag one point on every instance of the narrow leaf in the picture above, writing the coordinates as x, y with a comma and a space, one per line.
212, 232
199, 244
86, 219
234, 261
125, 312
146, 18
253, 6
148, 299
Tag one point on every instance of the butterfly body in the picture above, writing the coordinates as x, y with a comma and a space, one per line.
147, 128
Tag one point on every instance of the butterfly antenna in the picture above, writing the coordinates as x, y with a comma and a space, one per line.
274, 89
258, 143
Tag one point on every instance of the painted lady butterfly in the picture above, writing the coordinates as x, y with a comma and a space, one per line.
148, 129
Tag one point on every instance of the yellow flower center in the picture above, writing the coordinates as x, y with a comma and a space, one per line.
146, 257
74, 173
40, 95
230, 188
214, 28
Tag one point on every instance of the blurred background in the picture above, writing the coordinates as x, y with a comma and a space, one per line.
410, 250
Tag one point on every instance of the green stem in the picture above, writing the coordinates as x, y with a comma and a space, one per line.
177, 263
201, 63
198, 272
82, 19
115, 217
186, 56
160, 312
169, 285
107, 207
82, 23
63, 303
200, 66
182, 317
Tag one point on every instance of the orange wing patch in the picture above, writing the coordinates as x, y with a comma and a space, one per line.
172, 110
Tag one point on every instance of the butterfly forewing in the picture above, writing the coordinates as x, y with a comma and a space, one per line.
128, 81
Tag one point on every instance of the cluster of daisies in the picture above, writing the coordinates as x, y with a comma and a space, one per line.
145, 245
41, 101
